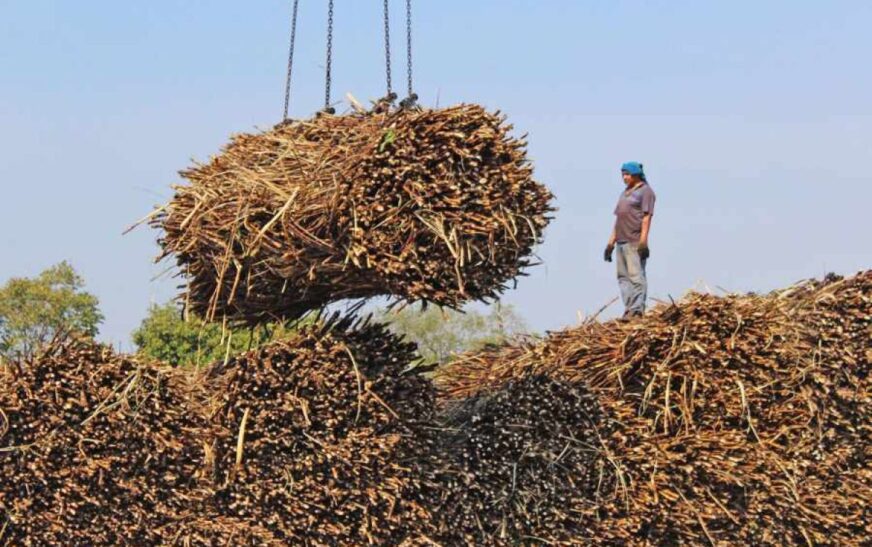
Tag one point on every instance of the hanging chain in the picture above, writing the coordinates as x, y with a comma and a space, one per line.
409, 44
329, 56
388, 46
291, 59
412, 98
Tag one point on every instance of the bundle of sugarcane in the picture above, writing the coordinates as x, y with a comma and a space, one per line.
523, 462
431, 205
212, 530
95, 449
316, 438
738, 420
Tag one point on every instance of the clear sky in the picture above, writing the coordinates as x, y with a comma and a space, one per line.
754, 121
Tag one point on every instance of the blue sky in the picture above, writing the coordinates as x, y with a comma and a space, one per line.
753, 119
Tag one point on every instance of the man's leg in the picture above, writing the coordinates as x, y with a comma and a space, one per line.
637, 279
624, 281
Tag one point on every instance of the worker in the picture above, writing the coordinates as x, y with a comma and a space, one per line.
629, 237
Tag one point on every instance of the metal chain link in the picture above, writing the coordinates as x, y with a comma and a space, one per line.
329, 81
388, 46
291, 59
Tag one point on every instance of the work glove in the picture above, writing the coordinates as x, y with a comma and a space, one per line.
644, 251
607, 255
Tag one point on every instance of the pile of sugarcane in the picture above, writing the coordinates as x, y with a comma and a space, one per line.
316, 438
312, 440
423, 205
520, 461
736, 420
95, 449
741, 419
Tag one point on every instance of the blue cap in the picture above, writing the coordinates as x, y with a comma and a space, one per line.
633, 168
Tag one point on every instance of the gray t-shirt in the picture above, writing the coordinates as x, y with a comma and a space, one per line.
630, 211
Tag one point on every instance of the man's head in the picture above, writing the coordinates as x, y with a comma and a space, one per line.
633, 172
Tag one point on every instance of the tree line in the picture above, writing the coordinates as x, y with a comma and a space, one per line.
55, 305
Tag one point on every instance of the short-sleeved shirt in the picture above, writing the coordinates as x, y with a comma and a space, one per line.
630, 211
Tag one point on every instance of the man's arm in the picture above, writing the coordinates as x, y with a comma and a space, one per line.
646, 228
644, 252
648, 200
610, 248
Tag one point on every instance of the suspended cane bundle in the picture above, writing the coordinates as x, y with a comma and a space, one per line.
737, 420
433, 205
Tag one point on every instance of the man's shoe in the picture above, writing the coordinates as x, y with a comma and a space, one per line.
629, 315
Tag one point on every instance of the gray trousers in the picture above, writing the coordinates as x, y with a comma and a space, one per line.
632, 278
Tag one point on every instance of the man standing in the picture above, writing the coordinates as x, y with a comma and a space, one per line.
630, 237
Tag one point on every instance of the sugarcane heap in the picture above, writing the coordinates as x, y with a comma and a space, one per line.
743, 419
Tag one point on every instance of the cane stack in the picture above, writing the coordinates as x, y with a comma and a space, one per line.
316, 438
741, 419
736, 420
95, 449
422, 205
520, 462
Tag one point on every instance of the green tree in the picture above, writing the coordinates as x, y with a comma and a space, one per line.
443, 334
50, 306
165, 334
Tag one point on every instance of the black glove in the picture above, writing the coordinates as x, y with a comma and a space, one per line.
607, 255
644, 251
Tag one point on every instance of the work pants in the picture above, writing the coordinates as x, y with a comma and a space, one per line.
632, 278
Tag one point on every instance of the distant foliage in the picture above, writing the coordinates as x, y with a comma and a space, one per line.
52, 305
166, 335
442, 334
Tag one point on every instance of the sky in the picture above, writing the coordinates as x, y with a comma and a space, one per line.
753, 119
